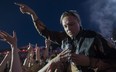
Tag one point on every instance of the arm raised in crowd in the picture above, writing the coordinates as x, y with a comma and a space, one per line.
4, 61
27, 10
47, 46
12, 41
56, 62
37, 52
29, 59
55, 36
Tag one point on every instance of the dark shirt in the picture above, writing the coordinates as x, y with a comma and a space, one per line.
86, 42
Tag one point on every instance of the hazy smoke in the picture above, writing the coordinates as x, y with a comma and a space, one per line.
103, 13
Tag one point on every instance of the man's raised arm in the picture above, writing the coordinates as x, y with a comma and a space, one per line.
27, 10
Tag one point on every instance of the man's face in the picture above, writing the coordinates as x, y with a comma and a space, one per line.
71, 26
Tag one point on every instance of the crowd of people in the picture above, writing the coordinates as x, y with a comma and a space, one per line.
82, 50
35, 59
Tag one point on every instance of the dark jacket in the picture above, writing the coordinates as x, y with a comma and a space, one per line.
90, 44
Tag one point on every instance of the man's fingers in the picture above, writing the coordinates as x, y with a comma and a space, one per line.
14, 34
1, 36
19, 4
65, 51
66, 55
3, 33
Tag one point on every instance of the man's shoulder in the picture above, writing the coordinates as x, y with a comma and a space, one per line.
92, 34
89, 33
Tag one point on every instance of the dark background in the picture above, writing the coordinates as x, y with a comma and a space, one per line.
49, 12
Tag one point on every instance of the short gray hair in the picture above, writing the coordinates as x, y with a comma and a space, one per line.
70, 13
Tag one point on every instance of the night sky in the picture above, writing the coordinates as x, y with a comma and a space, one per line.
49, 12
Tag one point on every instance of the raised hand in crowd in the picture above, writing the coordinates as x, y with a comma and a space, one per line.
47, 46
12, 41
28, 62
56, 63
27, 10
37, 52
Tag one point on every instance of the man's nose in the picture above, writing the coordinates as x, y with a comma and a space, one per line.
68, 27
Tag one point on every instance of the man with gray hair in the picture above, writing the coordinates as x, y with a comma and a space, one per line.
86, 50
